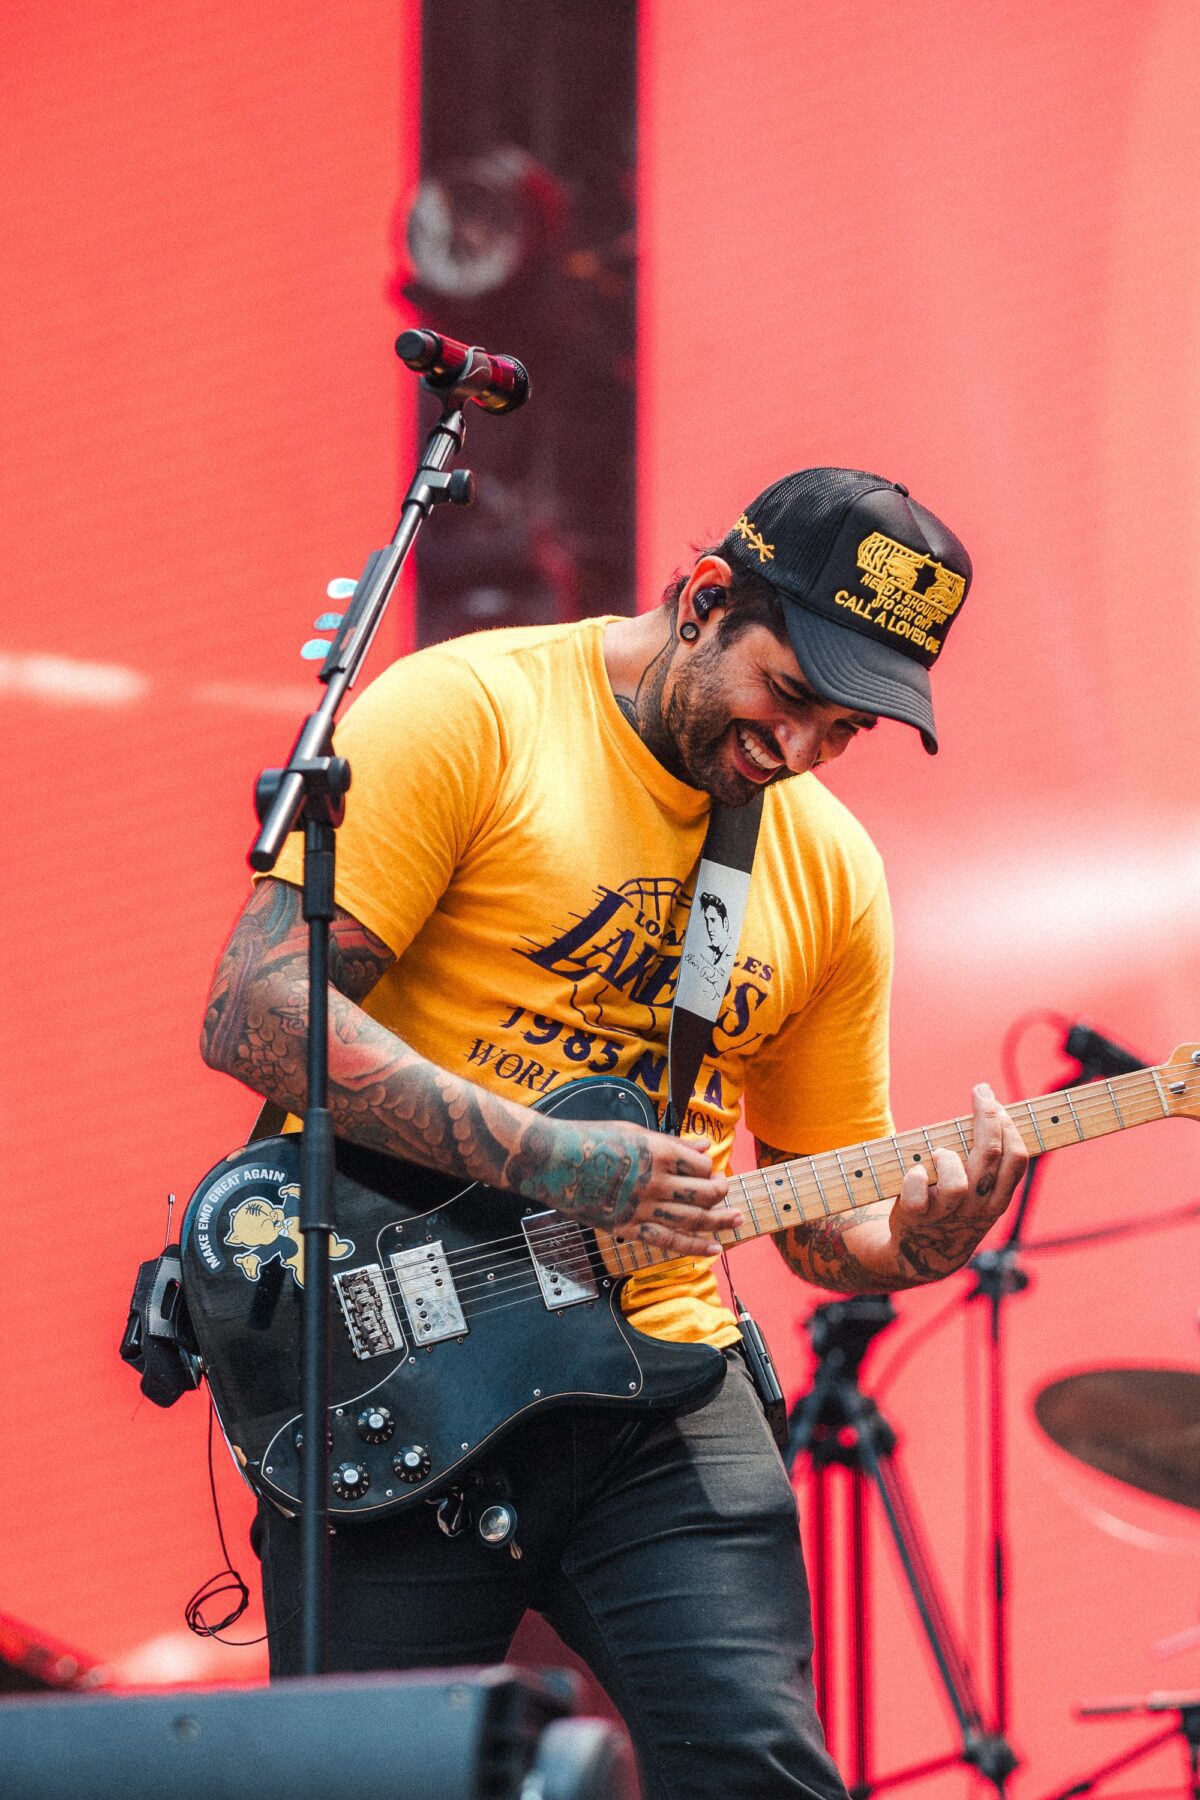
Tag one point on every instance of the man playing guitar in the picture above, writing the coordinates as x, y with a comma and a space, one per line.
514, 878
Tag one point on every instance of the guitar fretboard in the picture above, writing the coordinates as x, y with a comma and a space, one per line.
809, 1188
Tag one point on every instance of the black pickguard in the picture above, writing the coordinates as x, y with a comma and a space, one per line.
521, 1348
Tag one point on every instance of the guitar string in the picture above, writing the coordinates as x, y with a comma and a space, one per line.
524, 1294
587, 1260
581, 1260
754, 1182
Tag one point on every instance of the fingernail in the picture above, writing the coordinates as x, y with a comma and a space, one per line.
984, 1091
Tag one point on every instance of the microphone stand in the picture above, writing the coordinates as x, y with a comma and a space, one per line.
999, 1274
309, 793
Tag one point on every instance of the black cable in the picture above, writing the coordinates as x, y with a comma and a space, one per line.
1133, 1227
218, 1585
1120, 1228
1038, 1015
916, 1338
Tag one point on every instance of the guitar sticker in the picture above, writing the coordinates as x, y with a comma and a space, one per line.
257, 1226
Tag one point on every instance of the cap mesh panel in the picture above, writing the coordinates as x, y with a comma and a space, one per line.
809, 507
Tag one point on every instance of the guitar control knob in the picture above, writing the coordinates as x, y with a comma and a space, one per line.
412, 1463
350, 1479
375, 1424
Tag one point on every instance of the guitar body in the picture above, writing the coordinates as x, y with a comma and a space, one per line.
457, 1310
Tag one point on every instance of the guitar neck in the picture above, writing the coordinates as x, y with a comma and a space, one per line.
810, 1188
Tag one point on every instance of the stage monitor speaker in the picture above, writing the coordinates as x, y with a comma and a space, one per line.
465, 1734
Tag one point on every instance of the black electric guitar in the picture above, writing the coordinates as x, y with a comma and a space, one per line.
460, 1309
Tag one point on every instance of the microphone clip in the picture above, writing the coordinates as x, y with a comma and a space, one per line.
455, 371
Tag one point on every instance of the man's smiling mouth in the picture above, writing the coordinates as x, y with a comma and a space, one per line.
756, 752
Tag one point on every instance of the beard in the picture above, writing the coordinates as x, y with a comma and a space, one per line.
690, 735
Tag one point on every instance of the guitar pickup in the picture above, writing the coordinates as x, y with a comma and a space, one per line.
430, 1299
367, 1309
561, 1259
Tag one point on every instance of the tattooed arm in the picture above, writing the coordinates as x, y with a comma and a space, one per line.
930, 1230
634, 1183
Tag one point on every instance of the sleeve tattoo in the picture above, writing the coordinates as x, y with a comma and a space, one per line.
382, 1094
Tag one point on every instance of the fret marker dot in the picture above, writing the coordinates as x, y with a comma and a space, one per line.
916, 1156
1054, 1118
787, 1206
858, 1174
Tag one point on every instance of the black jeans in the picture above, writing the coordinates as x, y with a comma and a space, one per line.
664, 1551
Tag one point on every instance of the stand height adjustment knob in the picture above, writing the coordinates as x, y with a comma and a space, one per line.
298, 1439
375, 1424
412, 1463
350, 1479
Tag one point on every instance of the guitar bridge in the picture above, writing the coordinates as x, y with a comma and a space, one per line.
430, 1299
561, 1261
368, 1311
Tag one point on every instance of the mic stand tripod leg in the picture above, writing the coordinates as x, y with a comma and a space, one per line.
1087, 1783
1187, 1727
837, 1423
989, 1752
822, 1589
860, 1658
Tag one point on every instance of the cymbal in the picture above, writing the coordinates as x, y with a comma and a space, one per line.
1140, 1425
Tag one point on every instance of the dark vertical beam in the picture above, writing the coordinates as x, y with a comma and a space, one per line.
552, 534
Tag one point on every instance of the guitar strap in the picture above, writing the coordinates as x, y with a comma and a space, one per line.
269, 1123
710, 947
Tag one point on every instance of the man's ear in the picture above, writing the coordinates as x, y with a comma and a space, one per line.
703, 594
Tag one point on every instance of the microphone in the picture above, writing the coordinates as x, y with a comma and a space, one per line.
1100, 1055
465, 371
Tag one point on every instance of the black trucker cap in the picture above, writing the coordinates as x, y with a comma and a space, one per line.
870, 581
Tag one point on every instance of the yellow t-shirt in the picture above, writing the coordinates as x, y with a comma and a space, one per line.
510, 837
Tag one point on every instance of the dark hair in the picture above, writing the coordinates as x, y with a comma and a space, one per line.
716, 903
750, 600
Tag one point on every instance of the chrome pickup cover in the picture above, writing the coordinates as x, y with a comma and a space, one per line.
368, 1311
432, 1304
560, 1259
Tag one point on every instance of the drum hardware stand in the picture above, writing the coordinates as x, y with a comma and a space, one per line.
309, 793
838, 1425
1187, 1727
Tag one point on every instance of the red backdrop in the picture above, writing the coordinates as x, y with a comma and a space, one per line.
205, 421
962, 244
953, 246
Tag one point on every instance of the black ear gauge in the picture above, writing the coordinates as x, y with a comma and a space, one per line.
704, 599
